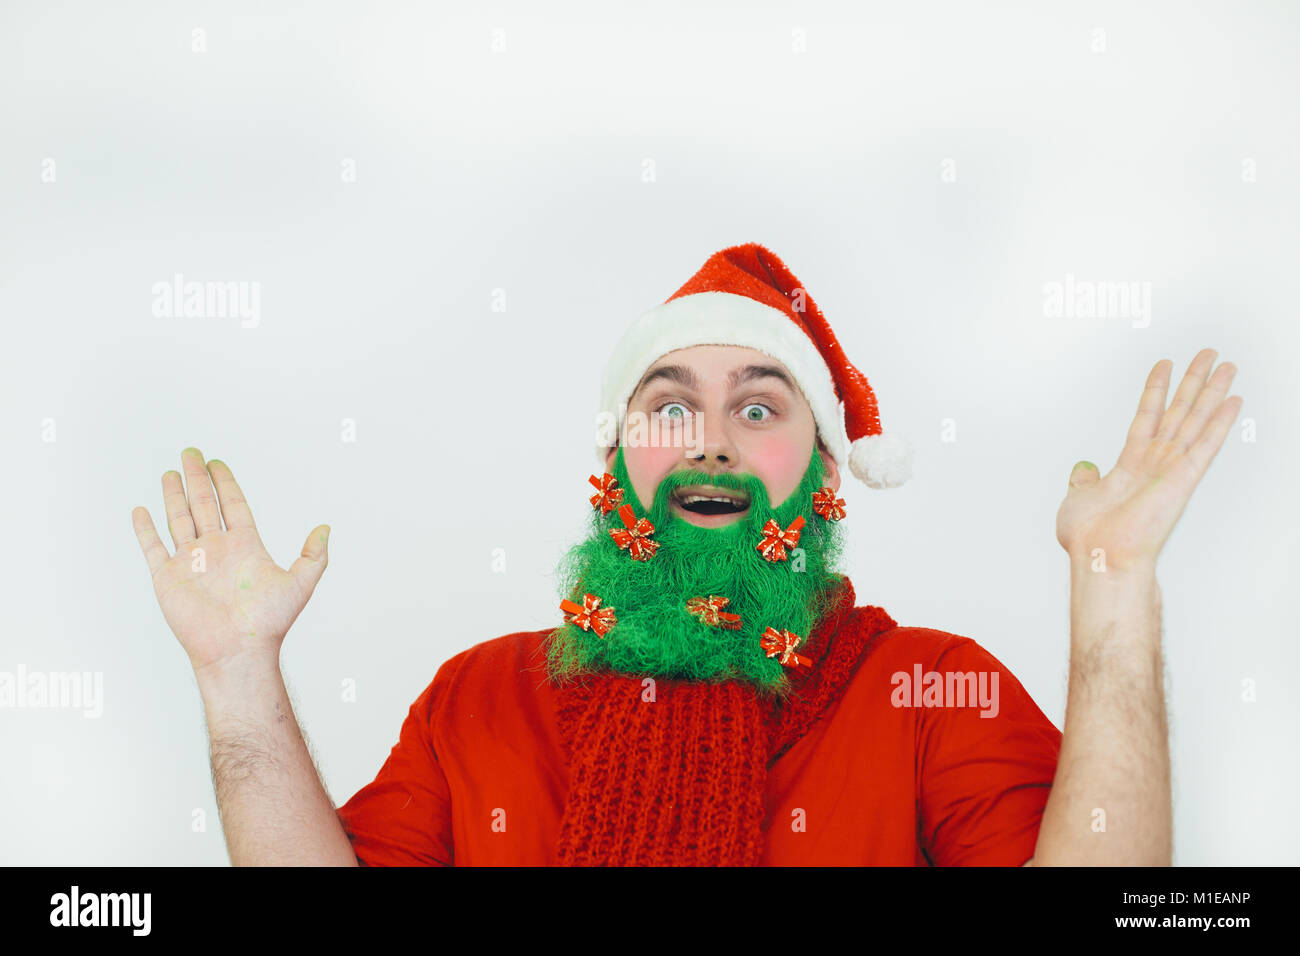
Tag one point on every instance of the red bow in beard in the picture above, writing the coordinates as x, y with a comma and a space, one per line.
827, 505
590, 616
710, 611
607, 497
775, 541
783, 643
636, 538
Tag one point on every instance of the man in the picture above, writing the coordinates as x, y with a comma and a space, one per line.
714, 695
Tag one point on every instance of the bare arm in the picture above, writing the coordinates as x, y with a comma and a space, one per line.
1110, 802
274, 808
230, 606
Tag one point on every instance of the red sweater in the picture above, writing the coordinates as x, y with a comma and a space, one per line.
479, 775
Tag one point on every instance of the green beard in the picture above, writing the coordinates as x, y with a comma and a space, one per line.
655, 635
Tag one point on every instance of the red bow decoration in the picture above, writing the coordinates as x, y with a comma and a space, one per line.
783, 643
607, 497
710, 611
827, 505
635, 539
590, 616
775, 541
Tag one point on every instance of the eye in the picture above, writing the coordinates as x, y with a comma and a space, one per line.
675, 411
755, 412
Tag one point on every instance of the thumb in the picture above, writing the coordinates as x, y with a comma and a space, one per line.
311, 565
1084, 474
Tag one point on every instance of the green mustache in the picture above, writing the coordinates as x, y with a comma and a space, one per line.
760, 505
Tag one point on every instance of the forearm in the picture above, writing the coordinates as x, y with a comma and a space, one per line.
1110, 800
274, 809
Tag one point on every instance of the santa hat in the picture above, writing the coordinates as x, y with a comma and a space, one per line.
745, 295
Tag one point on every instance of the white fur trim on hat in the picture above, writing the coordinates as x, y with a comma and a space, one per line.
721, 318
882, 461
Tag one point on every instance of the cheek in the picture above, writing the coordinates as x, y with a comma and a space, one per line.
780, 462
646, 467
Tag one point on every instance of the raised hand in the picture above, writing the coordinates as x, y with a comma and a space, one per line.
221, 594
1130, 512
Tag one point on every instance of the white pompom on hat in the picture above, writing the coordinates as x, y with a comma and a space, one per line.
745, 295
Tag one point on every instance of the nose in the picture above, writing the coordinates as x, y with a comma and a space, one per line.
713, 444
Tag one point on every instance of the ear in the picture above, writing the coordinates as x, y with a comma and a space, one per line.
832, 469
609, 459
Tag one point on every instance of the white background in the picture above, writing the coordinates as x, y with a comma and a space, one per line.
525, 171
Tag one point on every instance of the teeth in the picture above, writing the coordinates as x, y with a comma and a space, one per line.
692, 499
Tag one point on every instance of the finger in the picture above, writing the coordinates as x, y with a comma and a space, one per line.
177, 509
203, 501
1084, 474
234, 508
1188, 389
311, 565
1207, 402
1150, 407
1205, 448
155, 552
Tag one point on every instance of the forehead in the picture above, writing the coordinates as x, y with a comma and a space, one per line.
711, 365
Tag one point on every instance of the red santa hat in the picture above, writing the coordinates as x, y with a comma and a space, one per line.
745, 295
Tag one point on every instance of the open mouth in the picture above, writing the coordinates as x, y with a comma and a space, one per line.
706, 500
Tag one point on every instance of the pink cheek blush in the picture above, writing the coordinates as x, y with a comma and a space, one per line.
780, 463
647, 466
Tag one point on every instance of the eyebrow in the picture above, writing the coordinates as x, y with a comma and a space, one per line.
687, 378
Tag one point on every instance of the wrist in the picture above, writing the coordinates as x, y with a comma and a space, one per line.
1098, 565
1108, 603
238, 674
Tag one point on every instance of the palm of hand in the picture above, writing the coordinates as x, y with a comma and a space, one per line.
1130, 513
225, 589
221, 593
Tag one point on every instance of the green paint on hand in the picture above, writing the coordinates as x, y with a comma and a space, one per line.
245, 585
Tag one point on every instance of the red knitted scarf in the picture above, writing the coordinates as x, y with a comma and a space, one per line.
680, 781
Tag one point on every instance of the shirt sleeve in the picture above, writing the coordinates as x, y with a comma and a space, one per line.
403, 816
983, 781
